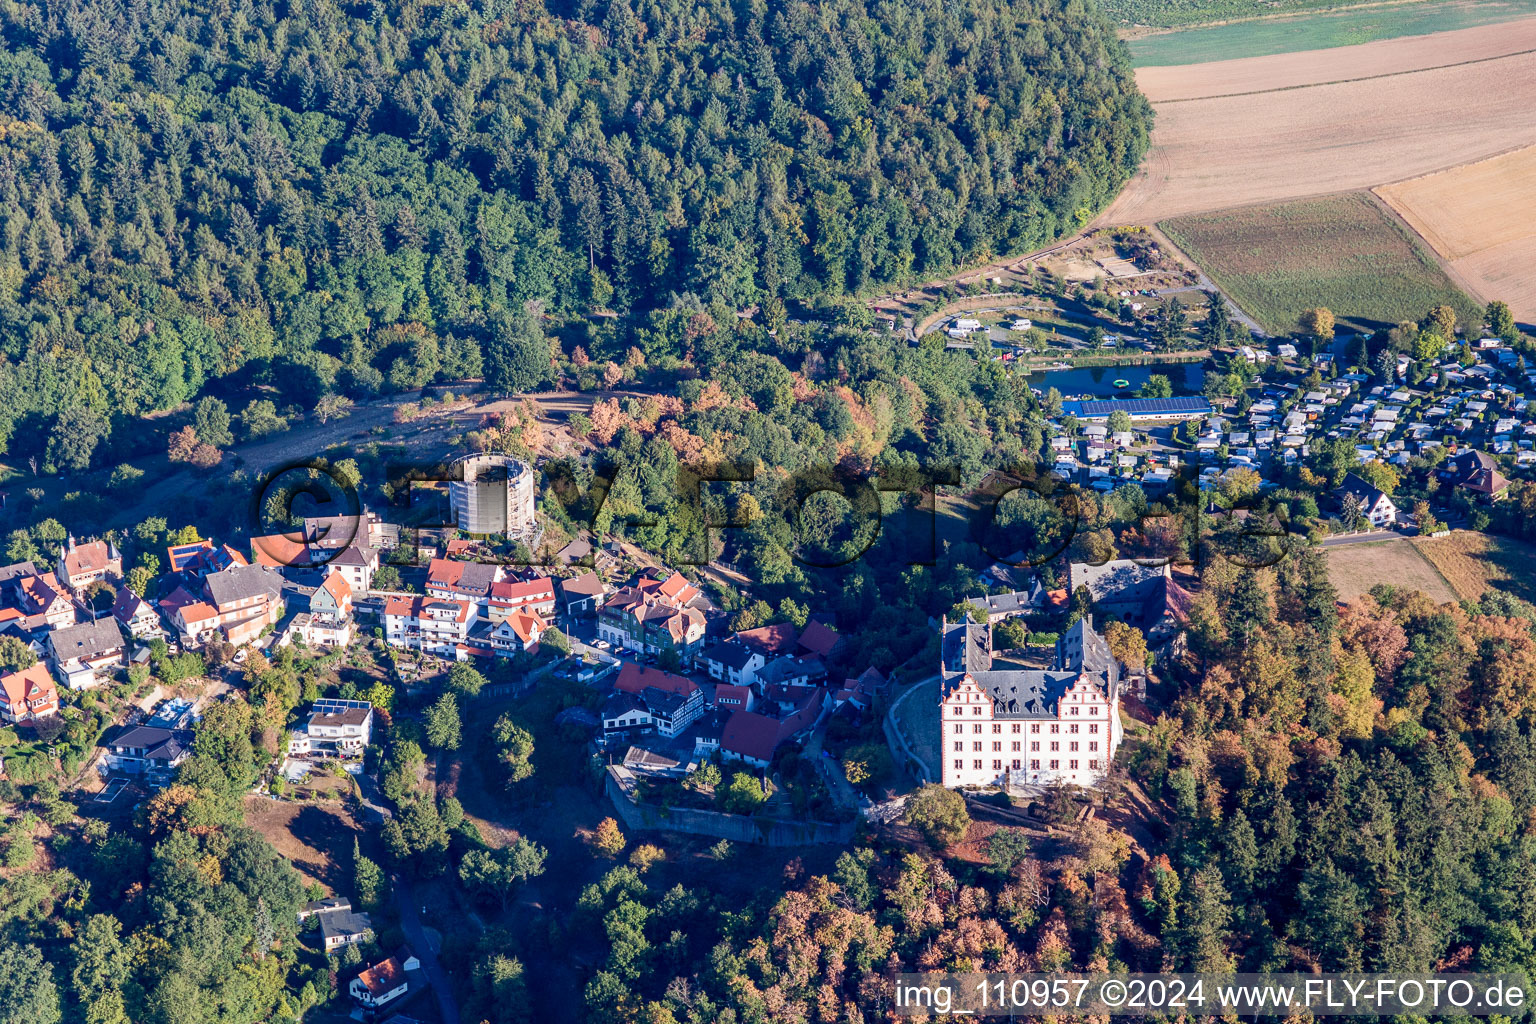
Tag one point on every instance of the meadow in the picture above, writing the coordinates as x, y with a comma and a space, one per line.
1344, 252
1473, 562
1314, 30
1355, 568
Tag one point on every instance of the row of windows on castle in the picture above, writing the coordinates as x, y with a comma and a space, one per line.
1034, 763
1034, 745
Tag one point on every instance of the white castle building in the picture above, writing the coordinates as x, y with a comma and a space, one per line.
1005, 723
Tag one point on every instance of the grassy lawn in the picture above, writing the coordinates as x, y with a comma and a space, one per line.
1343, 252
1356, 568
1311, 30
1473, 562
918, 720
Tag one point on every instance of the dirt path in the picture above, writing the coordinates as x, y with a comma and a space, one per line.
310, 439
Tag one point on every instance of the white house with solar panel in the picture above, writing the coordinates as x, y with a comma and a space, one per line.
1006, 724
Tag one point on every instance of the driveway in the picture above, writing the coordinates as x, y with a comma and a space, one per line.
416, 935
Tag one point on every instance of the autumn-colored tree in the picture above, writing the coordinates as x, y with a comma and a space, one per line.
1127, 644
606, 840
642, 857
1318, 323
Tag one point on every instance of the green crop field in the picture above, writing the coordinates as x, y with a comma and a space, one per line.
1178, 13
1344, 252
1311, 30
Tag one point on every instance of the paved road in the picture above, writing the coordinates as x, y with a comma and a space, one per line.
1361, 538
410, 923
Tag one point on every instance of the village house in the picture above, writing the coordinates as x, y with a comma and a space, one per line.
534, 597
753, 738
357, 564
136, 615
729, 697
43, 603
654, 615
648, 700
384, 982
520, 631
1374, 504
335, 728
328, 623
1476, 472
27, 695
733, 662
320, 906
431, 625
580, 596
863, 690
201, 558
1002, 723
80, 565
463, 581
83, 655
240, 601
147, 750
340, 928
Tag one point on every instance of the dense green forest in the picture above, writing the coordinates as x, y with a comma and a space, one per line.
358, 197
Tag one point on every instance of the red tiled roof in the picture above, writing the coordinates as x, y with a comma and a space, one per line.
775, 639
532, 591
90, 557
336, 585
819, 638
42, 590
737, 694
28, 684
280, 549
403, 605
635, 678
750, 734
384, 977
525, 625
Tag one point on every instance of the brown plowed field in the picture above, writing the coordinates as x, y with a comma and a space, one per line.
1378, 113
1482, 218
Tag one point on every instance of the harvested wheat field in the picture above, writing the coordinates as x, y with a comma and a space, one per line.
1481, 218
1355, 568
1297, 129
1314, 67
1473, 562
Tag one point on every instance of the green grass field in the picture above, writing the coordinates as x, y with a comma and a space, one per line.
1343, 252
1313, 30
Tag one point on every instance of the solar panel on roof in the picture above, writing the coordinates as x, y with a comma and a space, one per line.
1135, 406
